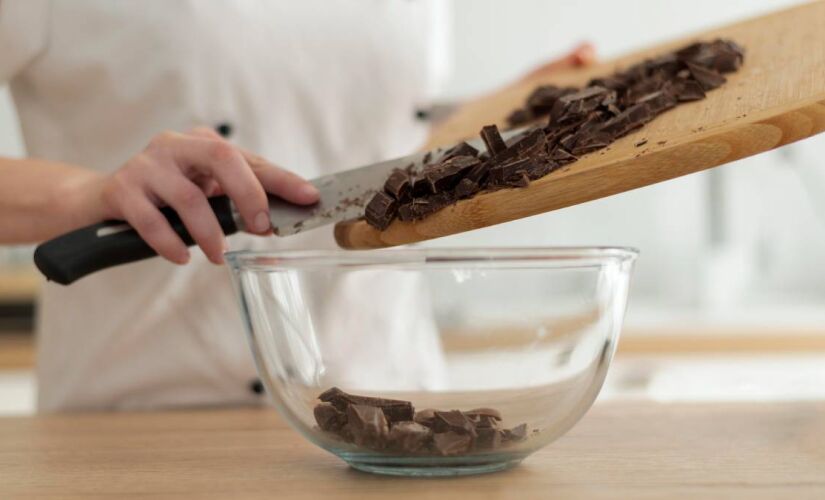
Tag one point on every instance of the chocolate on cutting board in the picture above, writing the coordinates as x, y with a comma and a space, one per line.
580, 121
393, 426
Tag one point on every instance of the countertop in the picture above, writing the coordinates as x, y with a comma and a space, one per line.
627, 449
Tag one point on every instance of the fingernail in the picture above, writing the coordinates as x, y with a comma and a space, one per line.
183, 258
310, 190
261, 222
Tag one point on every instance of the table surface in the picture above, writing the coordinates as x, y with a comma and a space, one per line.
630, 449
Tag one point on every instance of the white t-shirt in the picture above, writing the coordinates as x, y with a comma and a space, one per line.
315, 85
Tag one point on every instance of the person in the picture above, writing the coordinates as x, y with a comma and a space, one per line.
128, 106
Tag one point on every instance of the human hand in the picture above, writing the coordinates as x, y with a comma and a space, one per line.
182, 170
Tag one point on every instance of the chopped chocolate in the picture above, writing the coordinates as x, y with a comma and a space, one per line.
492, 139
451, 443
410, 437
501, 174
708, 78
488, 439
562, 156
445, 176
399, 186
454, 421
690, 90
462, 149
425, 417
329, 418
575, 105
520, 117
466, 188
484, 412
517, 433
367, 425
381, 210
395, 410
581, 121
419, 208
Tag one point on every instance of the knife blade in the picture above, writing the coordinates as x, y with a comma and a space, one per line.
343, 196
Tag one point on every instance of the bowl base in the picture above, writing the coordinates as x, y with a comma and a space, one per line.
444, 470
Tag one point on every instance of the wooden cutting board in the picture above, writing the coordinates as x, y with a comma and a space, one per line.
777, 97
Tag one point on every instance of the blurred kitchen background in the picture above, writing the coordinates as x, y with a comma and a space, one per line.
728, 301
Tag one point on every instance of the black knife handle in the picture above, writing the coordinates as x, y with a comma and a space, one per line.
69, 257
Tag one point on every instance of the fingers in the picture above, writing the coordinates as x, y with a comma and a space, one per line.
224, 163
282, 183
153, 227
190, 203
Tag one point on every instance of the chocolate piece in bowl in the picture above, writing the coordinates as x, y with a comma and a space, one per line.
453, 421
394, 409
488, 438
367, 425
425, 417
329, 418
451, 443
410, 437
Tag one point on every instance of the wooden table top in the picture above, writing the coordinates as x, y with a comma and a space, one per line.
619, 450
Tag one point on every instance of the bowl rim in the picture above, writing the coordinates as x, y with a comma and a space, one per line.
557, 256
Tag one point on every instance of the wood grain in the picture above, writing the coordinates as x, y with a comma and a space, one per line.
632, 450
776, 98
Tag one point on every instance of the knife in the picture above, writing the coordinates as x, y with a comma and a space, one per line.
344, 196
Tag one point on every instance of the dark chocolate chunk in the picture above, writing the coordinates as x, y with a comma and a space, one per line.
723, 56
690, 90
381, 210
410, 437
629, 120
396, 410
398, 185
575, 105
329, 418
484, 412
492, 139
517, 433
422, 207
562, 156
708, 78
454, 421
451, 443
367, 425
659, 101
445, 176
541, 101
488, 438
420, 186
500, 174
466, 188
425, 417
520, 117
462, 149
528, 144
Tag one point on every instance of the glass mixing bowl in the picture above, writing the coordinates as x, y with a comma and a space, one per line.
394, 341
